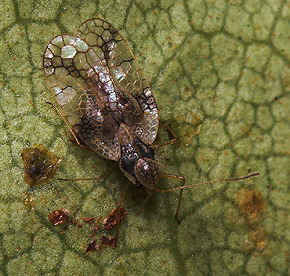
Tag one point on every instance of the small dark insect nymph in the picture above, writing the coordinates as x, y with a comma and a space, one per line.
107, 103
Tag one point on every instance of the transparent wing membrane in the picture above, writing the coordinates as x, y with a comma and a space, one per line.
124, 69
98, 84
81, 84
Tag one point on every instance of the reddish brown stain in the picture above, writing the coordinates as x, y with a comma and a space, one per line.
111, 219
58, 217
89, 220
252, 203
252, 206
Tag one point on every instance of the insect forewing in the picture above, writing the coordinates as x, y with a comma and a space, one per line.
106, 41
76, 75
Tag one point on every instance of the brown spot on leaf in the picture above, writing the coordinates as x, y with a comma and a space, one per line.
58, 217
111, 219
252, 206
89, 220
108, 241
40, 164
92, 246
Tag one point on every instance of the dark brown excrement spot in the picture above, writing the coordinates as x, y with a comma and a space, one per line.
40, 164
108, 241
252, 206
111, 219
61, 218
118, 214
58, 217
89, 220
93, 246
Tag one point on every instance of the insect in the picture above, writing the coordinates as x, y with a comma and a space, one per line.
108, 104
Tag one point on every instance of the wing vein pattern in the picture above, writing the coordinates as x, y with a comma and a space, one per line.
99, 84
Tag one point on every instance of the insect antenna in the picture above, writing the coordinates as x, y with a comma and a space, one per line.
181, 188
203, 183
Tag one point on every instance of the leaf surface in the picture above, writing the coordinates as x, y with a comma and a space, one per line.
219, 71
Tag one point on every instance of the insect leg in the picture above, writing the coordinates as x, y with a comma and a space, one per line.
181, 178
71, 131
103, 175
119, 214
181, 188
171, 133
144, 203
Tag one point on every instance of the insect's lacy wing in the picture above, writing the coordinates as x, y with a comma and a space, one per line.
67, 65
108, 43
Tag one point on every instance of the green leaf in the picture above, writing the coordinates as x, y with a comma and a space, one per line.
220, 74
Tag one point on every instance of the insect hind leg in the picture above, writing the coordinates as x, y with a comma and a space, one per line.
181, 188
181, 178
141, 210
119, 214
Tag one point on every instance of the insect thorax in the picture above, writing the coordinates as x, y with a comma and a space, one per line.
138, 160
